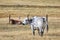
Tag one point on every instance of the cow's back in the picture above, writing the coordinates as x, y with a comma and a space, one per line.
37, 22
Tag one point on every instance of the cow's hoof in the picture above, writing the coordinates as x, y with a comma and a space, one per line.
41, 34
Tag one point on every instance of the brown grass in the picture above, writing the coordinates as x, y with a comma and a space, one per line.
21, 32
23, 12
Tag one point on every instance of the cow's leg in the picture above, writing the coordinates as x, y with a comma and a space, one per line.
38, 31
33, 30
41, 31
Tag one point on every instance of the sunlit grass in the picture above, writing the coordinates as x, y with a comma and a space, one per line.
24, 32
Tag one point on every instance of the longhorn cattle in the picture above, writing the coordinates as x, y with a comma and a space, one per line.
15, 21
37, 23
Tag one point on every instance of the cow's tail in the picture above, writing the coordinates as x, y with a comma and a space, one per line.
47, 23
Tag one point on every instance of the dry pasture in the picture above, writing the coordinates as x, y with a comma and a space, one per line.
20, 32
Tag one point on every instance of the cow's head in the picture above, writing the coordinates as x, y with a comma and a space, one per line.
27, 21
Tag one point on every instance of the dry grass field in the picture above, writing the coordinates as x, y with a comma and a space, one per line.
31, 2
21, 32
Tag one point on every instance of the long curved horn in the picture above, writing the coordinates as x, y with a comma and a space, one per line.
47, 22
28, 16
9, 18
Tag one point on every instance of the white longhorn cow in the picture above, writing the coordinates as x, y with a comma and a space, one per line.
39, 23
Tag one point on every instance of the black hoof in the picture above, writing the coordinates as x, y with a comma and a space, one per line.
41, 34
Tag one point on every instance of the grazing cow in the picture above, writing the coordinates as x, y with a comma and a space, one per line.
37, 23
15, 21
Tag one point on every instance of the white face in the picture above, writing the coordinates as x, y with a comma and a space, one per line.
25, 21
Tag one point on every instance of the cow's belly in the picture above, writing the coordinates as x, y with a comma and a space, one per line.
35, 27
38, 24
